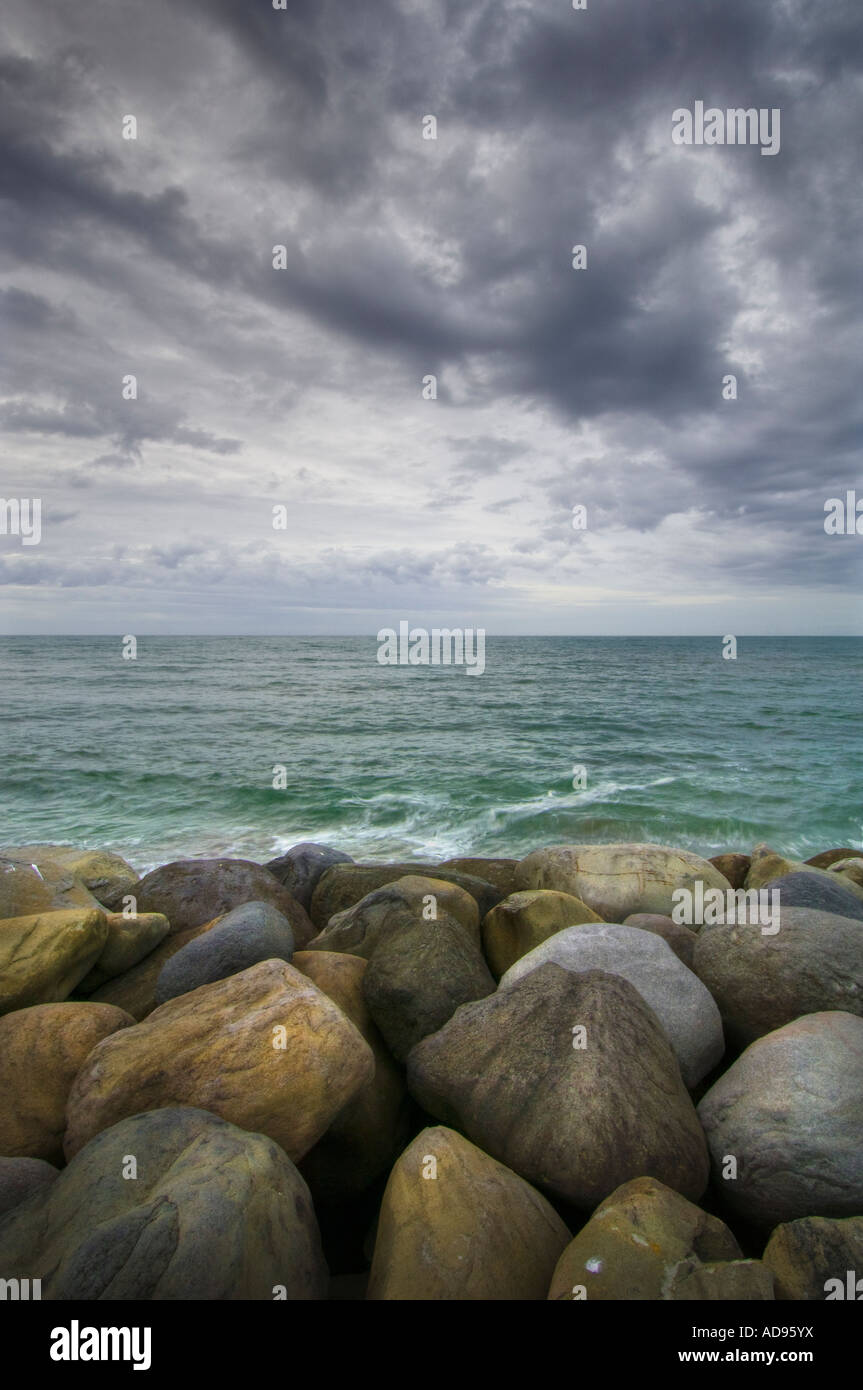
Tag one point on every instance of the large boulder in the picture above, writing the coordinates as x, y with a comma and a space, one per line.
129, 940
637, 1243
398, 905
849, 868
366, 1135
570, 1081
456, 1225
681, 939
500, 873
790, 1114
805, 1255
265, 1049
209, 1213
20, 1178
29, 889
733, 867
43, 956
767, 867
618, 880
678, 998
193, 891
243, 937
343, 885
418, 977
828, 857
106, 875
135, 990
760, 981
825, 892
524, 920
42, 1049
299, 869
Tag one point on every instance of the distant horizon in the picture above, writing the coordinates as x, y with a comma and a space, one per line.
540, 636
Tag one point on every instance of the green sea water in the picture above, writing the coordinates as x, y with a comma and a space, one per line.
174, 754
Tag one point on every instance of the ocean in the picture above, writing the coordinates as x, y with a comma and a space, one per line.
174, 754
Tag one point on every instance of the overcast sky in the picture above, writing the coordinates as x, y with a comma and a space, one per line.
408, 257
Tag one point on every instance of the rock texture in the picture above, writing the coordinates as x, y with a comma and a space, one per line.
525, 920
343, 885
805, 1255
247, 935
193, 891
129, 940
42, 957
302, 866
21, 1178
618, 880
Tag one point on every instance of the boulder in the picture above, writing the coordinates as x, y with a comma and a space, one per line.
790, 1113
210, 1213
812, 963
193, 891
129, 940
243, 937
733, 1282
768, 868
43, 956
830, 856
343, 885
804, 1255
456, 1225
108, 877
42, 1049
569, 1080
365, 1136
135, 990
20, 1178
500, 873
524, 920
848, 868
264, 1049
765, 864
677, 997
635, 1244
681, 939
394, 908
825, 892
618, 880
733, 867
418, 977
300, 868
27, 890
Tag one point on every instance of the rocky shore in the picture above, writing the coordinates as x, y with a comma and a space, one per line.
478, 1079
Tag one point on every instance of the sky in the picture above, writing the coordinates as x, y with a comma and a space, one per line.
306, 387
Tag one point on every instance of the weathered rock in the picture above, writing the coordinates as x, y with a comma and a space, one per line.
26, 891
849, 868
790, 1112
396, 907
264, 1049
733, 1281
107, 876
135, 990
733, 867
243, 937
575, 1112
636, 1242
418, 977
130, 939
825, 892
364, 1138
618, 880
830, 856
805, 1255
43, 956
525, 920
760, 981
680, 1001
213, 1213
343, 885
681, 939
193, 891
41, 1051
768, 868
20, 1178
500, 873
765, 864
300, 868
454, 1224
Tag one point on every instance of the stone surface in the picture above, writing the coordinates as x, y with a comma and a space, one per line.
790, 1111
456, 1225
394, 908
525, 920
680, 1001
575, 1121
681, 939
849, 868
825, 892
105, 874
42, 1049
733, 867
43, 956
135, 989
500, 873
636, 1243
734, 1281
193, 891
301, 867
21, 1178
214, 1213
250, 933
129, 940
620, 879
343, 885
803, 1255
264, 1049
814, 962
418, 977
768, 866
26, 890
365, 1136
830, 856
